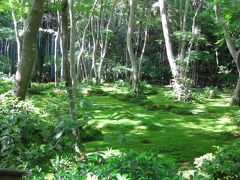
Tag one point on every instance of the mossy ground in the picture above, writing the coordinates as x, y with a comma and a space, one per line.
182, 131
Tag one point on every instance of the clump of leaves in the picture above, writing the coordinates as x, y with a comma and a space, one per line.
22, 140
39, 88
122, 83
211, 92
236, 119
223, 164
126, 165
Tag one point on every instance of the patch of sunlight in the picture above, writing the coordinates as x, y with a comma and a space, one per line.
142, 115
58, 91
141, 127
200, 109
85, 91
224, 119
200, 106
109, 88
196, 111
110, 152
97, 111
220, 104
122, 121
139, 133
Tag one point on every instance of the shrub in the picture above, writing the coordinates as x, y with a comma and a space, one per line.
223, 164
211, 92
236, 119
127, 165
22, 140
122, 83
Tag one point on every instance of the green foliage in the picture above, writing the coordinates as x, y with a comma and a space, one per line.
122, 83
236, 119
211, 92
5, 83
22, 140
226, 76
6, 33
223, 164
5, 65
127, 165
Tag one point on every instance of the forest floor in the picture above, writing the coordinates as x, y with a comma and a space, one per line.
181, 131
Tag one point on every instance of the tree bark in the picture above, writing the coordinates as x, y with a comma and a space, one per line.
134, 70
29, 48
77, 144
16, 32
145, 40
179, 88
72, 42
55, 58
104, 44
82, 43
184, 24
94, 51
233, 52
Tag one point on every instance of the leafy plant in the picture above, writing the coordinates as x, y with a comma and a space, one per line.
126, 165
223, 164
22, 141
121, 83
211, 92
236, 119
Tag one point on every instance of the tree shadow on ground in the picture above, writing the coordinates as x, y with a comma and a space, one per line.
182, 136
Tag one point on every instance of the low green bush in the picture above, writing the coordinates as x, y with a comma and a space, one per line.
127, 165
223, 164
22, 140
211, 92
236, 119
122, 83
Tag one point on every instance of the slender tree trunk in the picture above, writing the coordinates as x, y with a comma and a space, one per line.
16, 32
233, 52
194, 33
104, 44
135, 81
184, 24
61, 43
80, 59
29, 48
55, 58
78, 146
94, 51
180, 24
72, 42
178, 86
145, 41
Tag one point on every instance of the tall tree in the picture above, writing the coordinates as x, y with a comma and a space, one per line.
29, 48
134, 70
72, 42
234, 53
77, 144
178, 86
16, 31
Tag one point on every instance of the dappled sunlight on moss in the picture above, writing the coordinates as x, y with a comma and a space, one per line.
179, 130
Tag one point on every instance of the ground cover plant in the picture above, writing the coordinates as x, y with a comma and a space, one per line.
176, 132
